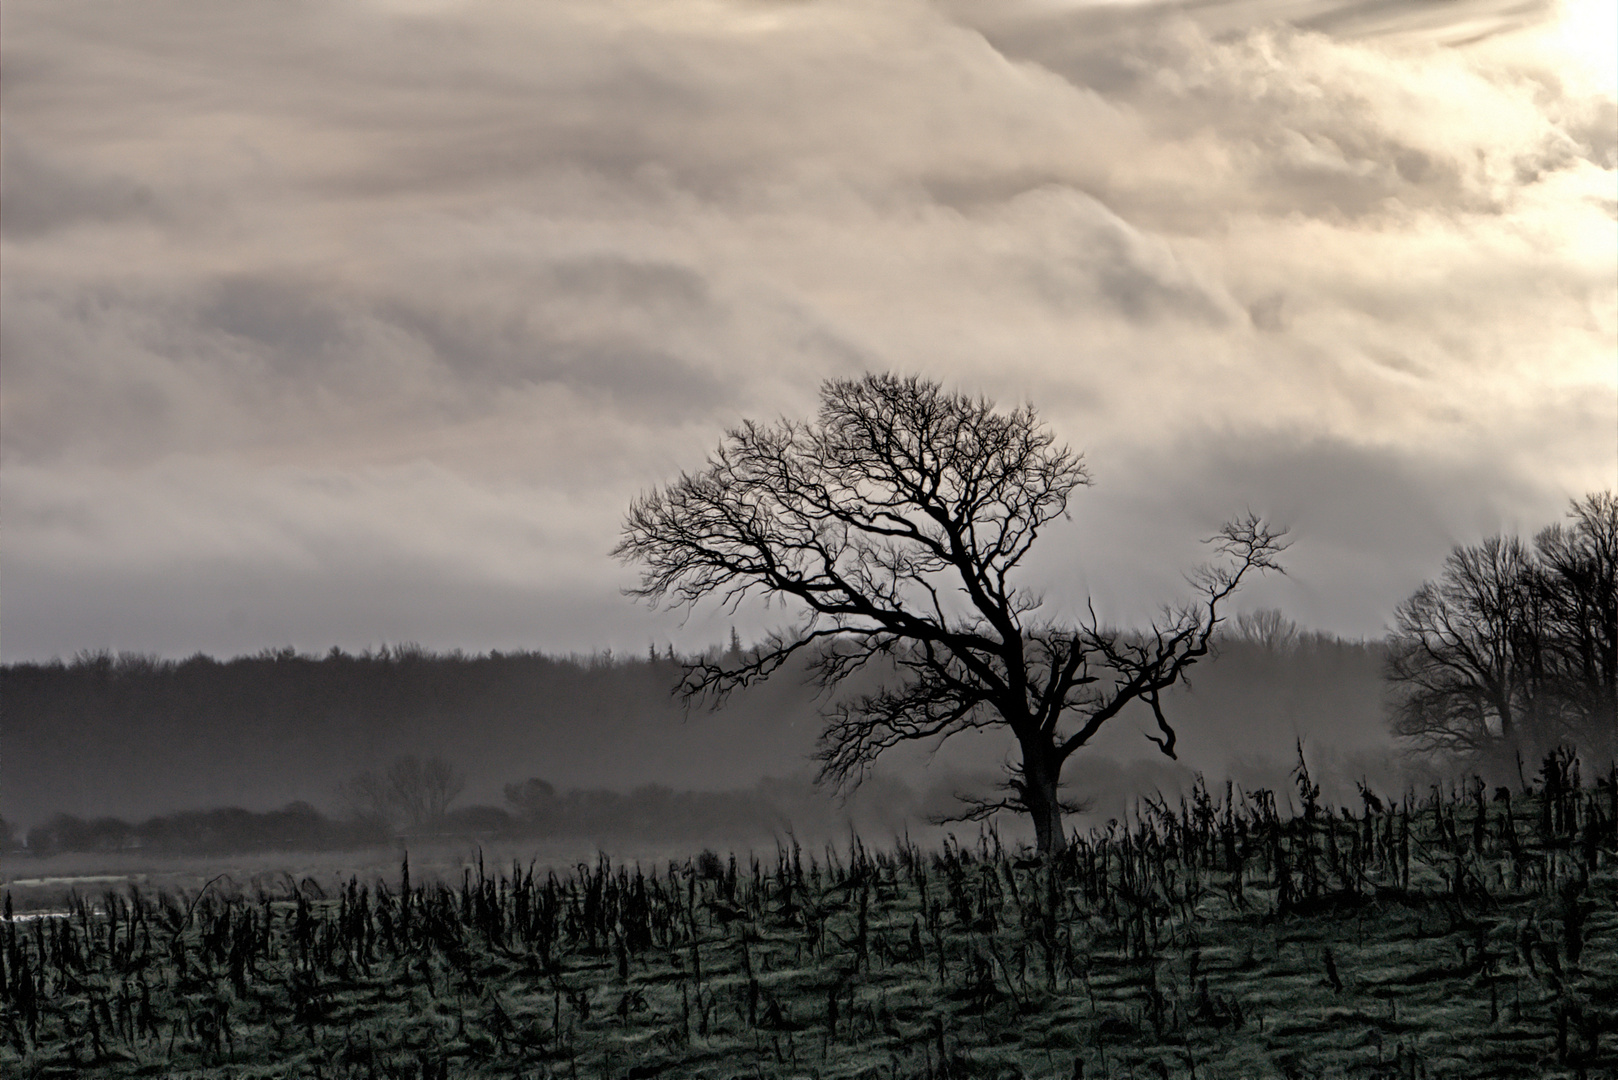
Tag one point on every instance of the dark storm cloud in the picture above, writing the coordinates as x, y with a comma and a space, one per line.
293, 320
41, 195
590, 324
1369, 523
392, 300
271, 358
595, 324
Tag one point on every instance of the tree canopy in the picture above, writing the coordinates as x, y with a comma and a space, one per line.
1514, 647
895, 526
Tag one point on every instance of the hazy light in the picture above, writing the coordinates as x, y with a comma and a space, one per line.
1588, 34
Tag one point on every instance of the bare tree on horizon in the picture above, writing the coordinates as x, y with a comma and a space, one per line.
1514, 647
1267, 628
414, 791
897, 521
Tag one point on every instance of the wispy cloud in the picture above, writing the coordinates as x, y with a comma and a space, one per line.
368, 303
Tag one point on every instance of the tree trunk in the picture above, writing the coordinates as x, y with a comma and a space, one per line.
1040, 772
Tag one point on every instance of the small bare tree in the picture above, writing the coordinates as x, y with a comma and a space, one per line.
532, 799
1267, 628
412, 791
1514, 648
897, 523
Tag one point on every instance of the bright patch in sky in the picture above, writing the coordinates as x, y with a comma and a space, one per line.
1587, 33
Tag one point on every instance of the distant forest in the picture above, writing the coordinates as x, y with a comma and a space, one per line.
648, 815
135, 737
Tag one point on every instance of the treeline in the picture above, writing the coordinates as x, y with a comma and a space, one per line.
226, 830
534, 811
132, 736
1513, 649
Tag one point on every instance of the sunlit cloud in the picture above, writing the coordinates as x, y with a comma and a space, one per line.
389, 303
1583, 36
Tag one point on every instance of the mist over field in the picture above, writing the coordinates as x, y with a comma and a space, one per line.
132, 738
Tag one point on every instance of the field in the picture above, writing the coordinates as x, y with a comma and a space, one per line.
1463, 932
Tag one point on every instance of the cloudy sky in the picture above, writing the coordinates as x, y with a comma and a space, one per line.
361, 322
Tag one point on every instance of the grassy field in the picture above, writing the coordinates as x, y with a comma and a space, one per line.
1465, 933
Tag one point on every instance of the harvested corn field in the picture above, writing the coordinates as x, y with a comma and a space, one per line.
1466, 932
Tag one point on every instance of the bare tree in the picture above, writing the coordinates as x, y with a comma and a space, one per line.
366, 796
1454, 660
532, 799
1267, 628
413, 791
1514, 649
896, 523
1577, 585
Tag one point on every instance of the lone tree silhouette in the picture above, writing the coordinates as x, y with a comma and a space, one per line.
414, 791
1514, 649
896, 522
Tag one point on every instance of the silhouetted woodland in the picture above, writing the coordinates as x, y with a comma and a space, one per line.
135, 737
296, 826
534, 810
1513, 650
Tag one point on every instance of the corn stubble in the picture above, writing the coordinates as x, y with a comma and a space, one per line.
1462, 932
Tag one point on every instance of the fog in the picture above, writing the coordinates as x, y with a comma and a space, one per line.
136, 738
